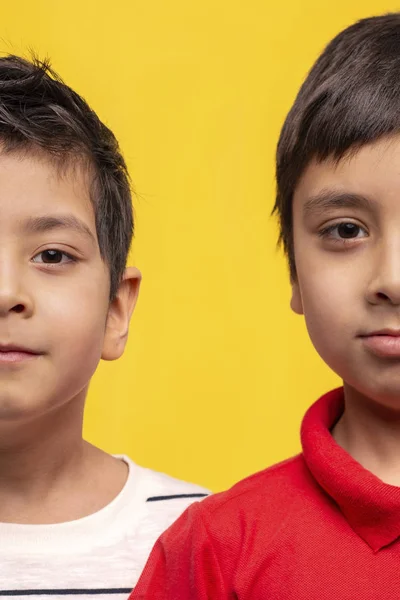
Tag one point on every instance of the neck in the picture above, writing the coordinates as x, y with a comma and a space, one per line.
49, 474
34, 455
370, 433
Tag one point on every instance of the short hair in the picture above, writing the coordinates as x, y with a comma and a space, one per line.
38, 111
351, 97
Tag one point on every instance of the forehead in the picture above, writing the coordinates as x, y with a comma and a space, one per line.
32, 184
372, 170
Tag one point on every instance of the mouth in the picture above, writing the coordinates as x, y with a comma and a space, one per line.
10, 354
384, 343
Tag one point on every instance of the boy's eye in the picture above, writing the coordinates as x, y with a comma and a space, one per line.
344, 231
52, 257
348, 230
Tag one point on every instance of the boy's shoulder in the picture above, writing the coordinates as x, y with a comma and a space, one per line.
264, 499
164, 497
159, 487
153, 501
274, 480
229, 529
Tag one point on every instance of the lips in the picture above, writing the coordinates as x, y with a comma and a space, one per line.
15, 348
384, 343
12, 354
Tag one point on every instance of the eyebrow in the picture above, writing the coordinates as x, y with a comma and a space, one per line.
50, 222
328, 199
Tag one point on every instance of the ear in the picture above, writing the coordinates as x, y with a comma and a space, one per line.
119, 314
296, 302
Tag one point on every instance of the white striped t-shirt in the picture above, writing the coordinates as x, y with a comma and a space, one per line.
99, 556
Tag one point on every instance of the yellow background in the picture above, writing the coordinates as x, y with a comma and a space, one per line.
218, 372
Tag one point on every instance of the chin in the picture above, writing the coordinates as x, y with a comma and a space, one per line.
381, 395
13, 409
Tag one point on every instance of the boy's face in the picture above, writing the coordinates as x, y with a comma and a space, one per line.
347, 252
54, 289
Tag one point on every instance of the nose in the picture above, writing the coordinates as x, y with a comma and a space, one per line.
14, 298
384, 284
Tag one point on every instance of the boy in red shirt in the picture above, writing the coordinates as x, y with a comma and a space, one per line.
324, 524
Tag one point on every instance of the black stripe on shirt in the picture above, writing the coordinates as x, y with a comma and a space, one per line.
66, 592
174, 497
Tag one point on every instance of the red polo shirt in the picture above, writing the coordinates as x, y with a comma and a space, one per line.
318, 526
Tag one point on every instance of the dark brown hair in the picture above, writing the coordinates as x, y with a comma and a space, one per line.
350, 98
39, 112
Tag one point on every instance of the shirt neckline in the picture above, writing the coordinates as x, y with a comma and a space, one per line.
103, 526
370, 506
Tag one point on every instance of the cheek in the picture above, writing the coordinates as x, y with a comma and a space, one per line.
330, 302
75, 324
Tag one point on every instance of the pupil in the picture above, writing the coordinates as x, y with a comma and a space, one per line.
51, 256
348, 230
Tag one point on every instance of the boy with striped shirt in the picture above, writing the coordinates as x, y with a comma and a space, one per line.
74, 521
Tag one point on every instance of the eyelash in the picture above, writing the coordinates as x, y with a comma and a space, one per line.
326, 233
70, 257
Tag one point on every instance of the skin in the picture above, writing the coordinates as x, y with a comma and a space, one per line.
348, 285
56, 304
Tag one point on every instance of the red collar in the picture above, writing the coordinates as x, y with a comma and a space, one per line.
371, 507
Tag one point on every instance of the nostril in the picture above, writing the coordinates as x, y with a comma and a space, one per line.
18, 308
382, 296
